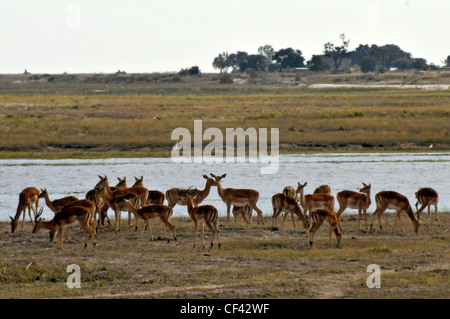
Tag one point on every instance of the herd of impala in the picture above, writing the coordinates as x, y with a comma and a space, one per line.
312, 209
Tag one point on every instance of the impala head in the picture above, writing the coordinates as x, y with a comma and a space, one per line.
301, 186
14, 224
208, 179
365, 188
102, 183
216, 179
43, 192
122, 181
190, 193
38, 223
138, 181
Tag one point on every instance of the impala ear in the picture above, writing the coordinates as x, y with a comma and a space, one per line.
306, 183
205, 176
11, 218
364, 184
223, 176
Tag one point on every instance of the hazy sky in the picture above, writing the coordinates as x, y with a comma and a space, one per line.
55, 36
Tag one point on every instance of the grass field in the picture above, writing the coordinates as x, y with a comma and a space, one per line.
255, 261
96, 119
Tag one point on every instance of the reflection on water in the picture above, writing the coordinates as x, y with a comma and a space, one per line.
403, 172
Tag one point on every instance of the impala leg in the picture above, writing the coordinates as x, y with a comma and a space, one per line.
203, 235
195, 232
437, 214
276, 213
420, 211
429, 213
359, 220
365, 218
329, 235
260, 216
228, 212
149, 229
60, 237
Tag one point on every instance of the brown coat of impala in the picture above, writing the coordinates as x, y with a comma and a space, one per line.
178, 195
237, 197
204, 214
146, 213
27, 198
66, 218
283, 203
320, 215
360, 201
400, 203
312, 202
57, 204
426, 197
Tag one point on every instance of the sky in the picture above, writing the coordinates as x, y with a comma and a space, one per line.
103, 36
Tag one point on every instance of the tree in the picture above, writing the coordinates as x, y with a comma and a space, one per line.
359, 53
221, 62
193, 70
447, 61
419, 64
317, 63
255, 62
387, 54
368, 64
337, 53
402, 63
235, 59
267, 51
289, 58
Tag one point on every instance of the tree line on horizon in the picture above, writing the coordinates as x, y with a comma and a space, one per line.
335, 58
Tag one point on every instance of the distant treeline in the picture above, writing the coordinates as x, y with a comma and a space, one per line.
335, 58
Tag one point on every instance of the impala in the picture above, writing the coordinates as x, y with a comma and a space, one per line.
312, 202
154, 197
27, 198
117, 203
204, 214
243, 211
393, 200
237, 197
360, 201
427, 197
322, 189
66, 218
139, 191
146, 213
57, 204
178, 195
282, 203
320, 215
290, 191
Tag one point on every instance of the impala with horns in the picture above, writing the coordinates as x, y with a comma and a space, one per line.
288, 205
204, 214
146, 213
320, 215
360, 201
27, 198
237, 197
66, 218
398, 202
178, 195
312, 202
426, 197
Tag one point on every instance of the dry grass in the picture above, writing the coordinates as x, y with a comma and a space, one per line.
255, 262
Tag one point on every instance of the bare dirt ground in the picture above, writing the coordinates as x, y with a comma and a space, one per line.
255, 261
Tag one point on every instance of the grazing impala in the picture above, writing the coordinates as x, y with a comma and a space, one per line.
360, 201
27, 198
205, 214
146, 213
427, 197
322, 189
57, 204
318, 217
139, 191
393, 200
66, 218
178, 195
237, 197
312, 202
282, 203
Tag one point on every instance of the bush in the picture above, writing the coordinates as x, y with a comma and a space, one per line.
226, 78
193, 70
368, 64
